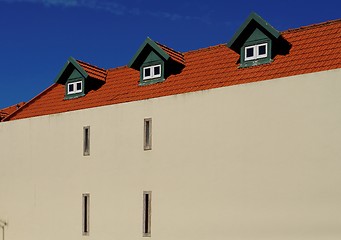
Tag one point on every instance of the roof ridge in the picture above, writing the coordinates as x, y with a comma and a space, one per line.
117, 68
94, 71
14, 105
175, 55
91, 65
190, 51
4, 112
206, 48
310, 26
165, 46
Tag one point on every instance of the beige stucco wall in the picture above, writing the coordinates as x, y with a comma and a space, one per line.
254, 161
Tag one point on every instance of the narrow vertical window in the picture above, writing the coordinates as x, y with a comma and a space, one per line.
86, 141
147, 198
147, 134
86, 212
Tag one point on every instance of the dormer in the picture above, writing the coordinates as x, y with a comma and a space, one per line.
257, 42
79, 78
73, 77
156, 62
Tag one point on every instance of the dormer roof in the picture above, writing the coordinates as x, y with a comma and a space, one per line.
254, 21
85, 69
79, 77
164, 52
68, 69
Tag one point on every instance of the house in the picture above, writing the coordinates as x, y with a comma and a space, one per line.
234, 141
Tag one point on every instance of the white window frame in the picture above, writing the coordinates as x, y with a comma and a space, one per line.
256, 51
152, 72
74, 87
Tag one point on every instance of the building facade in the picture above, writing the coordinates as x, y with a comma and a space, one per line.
236, 141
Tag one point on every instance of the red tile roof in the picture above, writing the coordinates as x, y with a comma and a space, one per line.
93, 71
9, 110
176, 56
314, 48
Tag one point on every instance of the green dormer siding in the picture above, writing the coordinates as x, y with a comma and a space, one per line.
75, 75
153, 59
73, 79
256, 38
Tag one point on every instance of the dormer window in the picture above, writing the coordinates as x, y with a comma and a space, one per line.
256, 51
152, 72
74, 87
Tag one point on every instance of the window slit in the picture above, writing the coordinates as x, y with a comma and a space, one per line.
147, 213
86, 208
86, 141
147, 134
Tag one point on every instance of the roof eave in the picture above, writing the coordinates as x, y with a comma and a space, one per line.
26, 104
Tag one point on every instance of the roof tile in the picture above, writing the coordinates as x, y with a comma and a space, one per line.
176, 56
93, 71
9, 110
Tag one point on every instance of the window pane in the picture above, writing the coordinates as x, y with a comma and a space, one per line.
157, 70
147, 72
79, 86
261, 50
71, 87
249, 52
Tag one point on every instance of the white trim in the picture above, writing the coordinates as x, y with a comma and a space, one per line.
152, 72
266, 50
75, 90
256, 54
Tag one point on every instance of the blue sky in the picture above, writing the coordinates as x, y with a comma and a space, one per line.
38, 36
